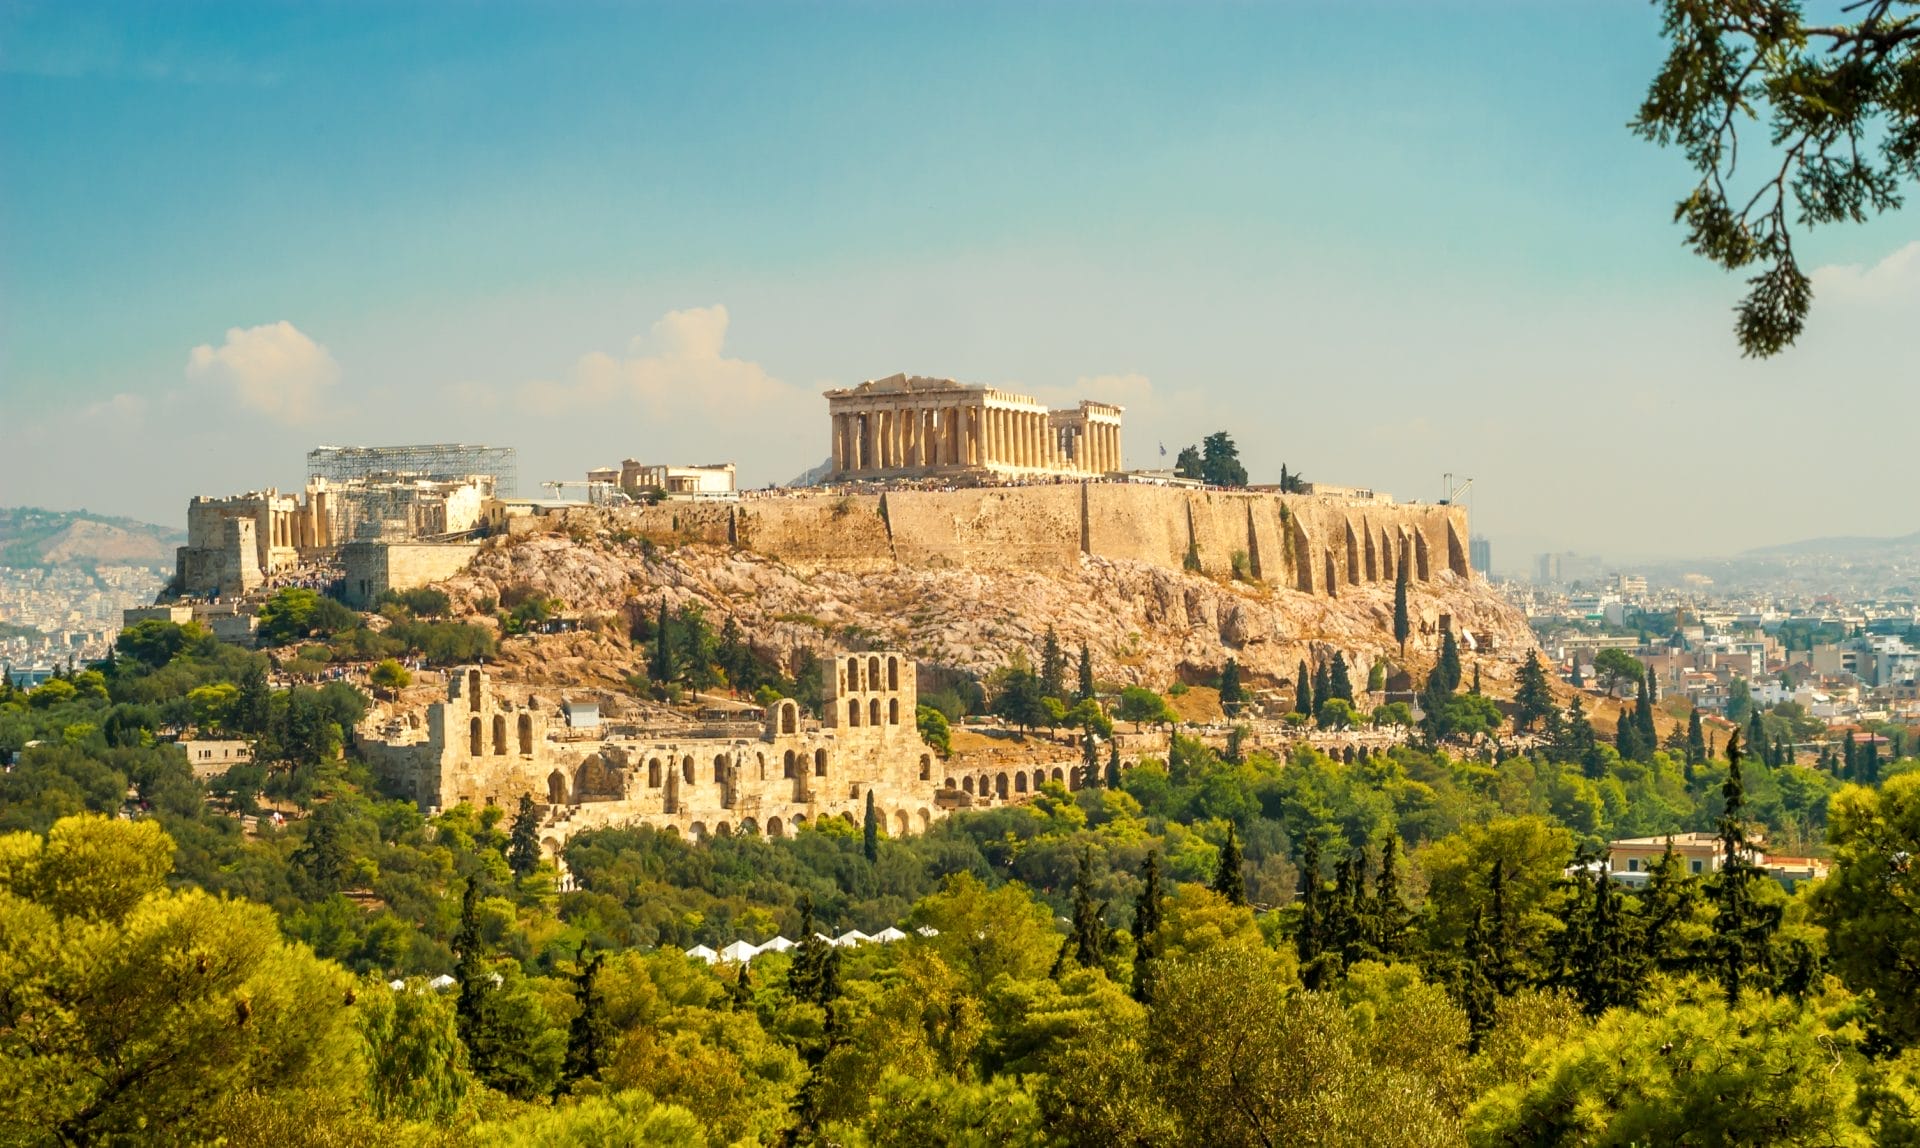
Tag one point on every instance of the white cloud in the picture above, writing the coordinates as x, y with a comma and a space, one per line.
1895, 277
681, 364
124, 405
274, 369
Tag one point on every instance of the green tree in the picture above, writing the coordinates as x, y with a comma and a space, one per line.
1220, 461
1053, 667
1870, 905
1448, 666
1232, 695
1187, 464
1141, 705
1402, 622
1084, 691
1021, 699
663, 666
589, 1035
131, 1010
1743, 925
1842, 116
523, 841
1339, 680
1146, 928
934, 729
1615, 666
1228, 880
416, 1065
870, 833
389, 674
1696, 739
1088, 942
1303, 692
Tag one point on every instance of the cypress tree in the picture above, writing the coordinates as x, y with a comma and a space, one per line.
587, 1035
814, 976
1402, 624
1085, 691
870, 833
1743, 928
1449, 664
1340, 681
1577, 679
1088, 940
662, 668
1309, 938
1696, 739
741, 996
1390, 913
1478, 995
1053, 667
1232, 696
1848, 755
1235, 753
1475, 691
1089, 759
1757, 740
1667, 902
523, 842
1146, 928
1228, 880
1870, 760
1322, 687
1643, 715
1113, 764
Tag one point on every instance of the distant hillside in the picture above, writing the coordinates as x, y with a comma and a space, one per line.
1844, 545
30, 536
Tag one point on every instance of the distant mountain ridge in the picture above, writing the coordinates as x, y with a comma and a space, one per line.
31, 536
1842, 544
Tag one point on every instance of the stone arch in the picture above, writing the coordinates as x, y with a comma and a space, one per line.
873, 672
1059, 776
1000, 786
473, 689
853, 711
686, 769
653, 773
761, 759
720, 768
846, 815
787, 767
749, 828
893, 673
526, 735
723, 830
820, 762
672, 802
926, 767
893, 711
799, 823
949, 784
926, 821
774, 828
873, 711
697, 831
967, 784
550, 846
500, 733
789, 717
556, 788
902, 824
1420, 569
1020, 781
475, 745
1039, 779
853, 675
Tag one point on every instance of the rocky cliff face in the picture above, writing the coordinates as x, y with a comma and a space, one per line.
1143, 623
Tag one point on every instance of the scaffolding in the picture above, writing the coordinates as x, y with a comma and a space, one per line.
434, 462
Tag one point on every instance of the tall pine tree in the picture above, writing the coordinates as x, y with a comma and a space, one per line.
1053, 667
1533, 700
1449, 664
1303, 691
1402, 623
1146, 928
1743, 927
1232, 695
870, 833
1084, 690
523, 841
1339, 680
1088, 940
1228, 880
663, 667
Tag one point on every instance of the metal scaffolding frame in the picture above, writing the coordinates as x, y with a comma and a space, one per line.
440, 462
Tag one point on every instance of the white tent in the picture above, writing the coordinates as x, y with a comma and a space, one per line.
443, 981
779, 945
704, 953
396, 985
851, 938
888, 935
740, 952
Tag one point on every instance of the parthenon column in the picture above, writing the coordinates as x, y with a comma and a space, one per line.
839, 454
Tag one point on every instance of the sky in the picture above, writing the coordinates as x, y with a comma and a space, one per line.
1375, 241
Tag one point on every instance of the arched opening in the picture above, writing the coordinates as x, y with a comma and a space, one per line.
926, 767
686, 769
749, 828
948, 784
526, 735
893, 711
761, 758
720, 768
697, 831
1039, 779
556, 788
474, 746
500, 733
853, 675
846, 815
787, 769
1000, 786
1020, 782
853, 712
968, 784
873, 711
873, 673
789, 717
723, 830
775, 829
799, 822
653, 773
820, 763
1058, 776
893, 673
473, 689
902, 824
926, 821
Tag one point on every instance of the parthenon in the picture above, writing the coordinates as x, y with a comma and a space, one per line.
904, 426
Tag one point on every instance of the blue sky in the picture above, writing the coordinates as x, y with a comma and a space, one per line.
1377, 241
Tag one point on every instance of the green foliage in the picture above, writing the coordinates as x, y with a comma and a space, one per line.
390, 675
1143, 706
294, 613
934, 729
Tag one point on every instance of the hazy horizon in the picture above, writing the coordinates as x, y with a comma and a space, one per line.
1375, 243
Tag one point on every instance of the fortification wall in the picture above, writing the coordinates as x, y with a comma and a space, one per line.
1034, 527
843, 532
373, 568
